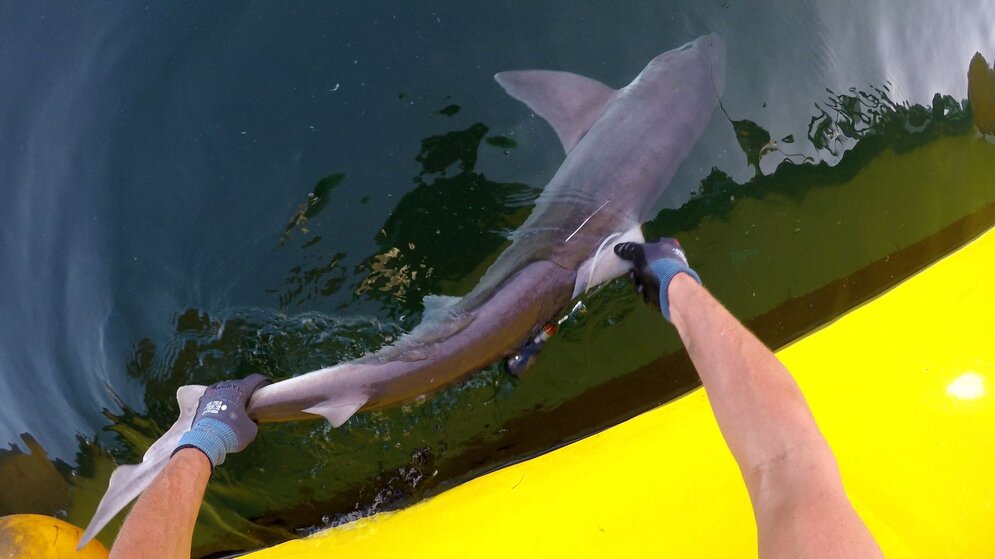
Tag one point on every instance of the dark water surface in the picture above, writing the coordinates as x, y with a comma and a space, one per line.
193, 191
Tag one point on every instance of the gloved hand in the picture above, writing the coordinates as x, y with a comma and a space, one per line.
220, 424
654, 265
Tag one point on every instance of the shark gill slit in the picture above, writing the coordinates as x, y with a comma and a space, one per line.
583, 223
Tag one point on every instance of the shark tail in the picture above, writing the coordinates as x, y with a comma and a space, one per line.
128, 482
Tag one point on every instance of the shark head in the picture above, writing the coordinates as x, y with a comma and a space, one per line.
703, 58
623, 148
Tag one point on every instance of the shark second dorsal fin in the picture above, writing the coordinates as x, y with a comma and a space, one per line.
569, 102
338, 410
438, 306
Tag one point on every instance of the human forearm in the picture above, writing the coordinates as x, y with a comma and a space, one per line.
790, 472
161, 522
757, 404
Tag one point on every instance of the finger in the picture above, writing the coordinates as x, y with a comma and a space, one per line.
628, 251
253, 382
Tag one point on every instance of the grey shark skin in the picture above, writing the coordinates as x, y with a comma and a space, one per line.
622, 147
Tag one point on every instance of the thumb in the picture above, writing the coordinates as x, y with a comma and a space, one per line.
252, 383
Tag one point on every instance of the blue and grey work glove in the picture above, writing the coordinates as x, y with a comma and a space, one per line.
654, 265
221, 424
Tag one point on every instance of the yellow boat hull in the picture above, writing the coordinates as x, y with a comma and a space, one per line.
900, 386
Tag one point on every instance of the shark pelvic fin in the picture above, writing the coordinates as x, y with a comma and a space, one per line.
129, 481
338, 411
569, 102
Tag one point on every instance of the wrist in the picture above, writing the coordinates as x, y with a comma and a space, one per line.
667, 272
191, 457
212, 437
680, 292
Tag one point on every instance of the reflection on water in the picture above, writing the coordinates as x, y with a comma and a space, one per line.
981, 93
863, 124
316, 201
442, 231
24, 474
447, 227
194, 202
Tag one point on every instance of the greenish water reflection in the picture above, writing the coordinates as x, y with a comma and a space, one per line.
444, 232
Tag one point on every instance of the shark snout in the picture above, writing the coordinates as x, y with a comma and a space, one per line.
713, 50
707, 51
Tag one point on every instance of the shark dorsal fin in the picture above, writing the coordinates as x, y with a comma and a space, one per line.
569, 102
338, 410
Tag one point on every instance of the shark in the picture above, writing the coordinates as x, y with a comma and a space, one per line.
622, 149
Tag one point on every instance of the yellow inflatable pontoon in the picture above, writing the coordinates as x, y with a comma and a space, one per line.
901, 387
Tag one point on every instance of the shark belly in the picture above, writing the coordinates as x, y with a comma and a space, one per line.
434, 355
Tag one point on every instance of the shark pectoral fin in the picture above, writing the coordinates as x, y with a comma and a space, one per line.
128, 482
338, 411
569, 102
604, 265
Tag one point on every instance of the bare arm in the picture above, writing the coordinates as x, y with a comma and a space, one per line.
161, 522
791, 474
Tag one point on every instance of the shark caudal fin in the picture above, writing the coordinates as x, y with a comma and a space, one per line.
128, 482
569, 102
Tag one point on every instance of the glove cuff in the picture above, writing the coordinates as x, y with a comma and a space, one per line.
666, 269
212, 437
